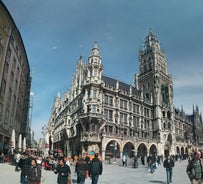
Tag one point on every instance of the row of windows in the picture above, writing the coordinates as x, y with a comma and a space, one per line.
108, 100
123, 118
8, 119
94, 94
126, 132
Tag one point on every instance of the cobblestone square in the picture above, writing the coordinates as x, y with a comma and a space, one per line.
112, 174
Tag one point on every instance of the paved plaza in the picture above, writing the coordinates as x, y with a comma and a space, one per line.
112, 174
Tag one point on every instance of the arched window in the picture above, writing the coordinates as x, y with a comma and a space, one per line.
169, 115
147, 96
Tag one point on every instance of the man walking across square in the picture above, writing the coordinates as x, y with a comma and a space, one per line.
169, 164
195, 169
96, 168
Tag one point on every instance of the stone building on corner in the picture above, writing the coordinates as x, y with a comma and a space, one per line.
15, 82
105, 115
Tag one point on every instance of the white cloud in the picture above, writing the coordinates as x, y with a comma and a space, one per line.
55, 47
189, 81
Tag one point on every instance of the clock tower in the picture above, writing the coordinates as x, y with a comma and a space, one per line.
157, 87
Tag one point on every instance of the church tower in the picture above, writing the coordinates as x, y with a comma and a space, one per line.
93, 81
157, 86
91, 119
94, 67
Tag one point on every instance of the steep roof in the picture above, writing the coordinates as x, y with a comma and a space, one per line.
123, 86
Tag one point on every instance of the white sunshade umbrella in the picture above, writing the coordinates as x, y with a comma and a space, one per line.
20, 142
24, 144
13, 139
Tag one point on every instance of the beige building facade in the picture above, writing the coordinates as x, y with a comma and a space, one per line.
106, 115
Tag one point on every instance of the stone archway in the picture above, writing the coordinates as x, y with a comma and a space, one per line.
167, 148
129, 149
186, 151
169, 139
177, 150
142, 150
112, 149
182, 150
153, 150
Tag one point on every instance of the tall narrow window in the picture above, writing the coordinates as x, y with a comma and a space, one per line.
95, 73
94, 94
93, 109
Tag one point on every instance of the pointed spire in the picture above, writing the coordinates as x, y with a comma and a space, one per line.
58, 95
130, 90
197, 109
81, 58
151, 42
95, 45
117, 83
95, 50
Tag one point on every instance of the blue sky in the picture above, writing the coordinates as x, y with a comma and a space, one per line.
56, 33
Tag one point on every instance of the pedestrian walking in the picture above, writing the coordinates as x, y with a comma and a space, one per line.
17, 157
87, 159
195, 169
68, 161
135, 161
96, 168
124, 160
143, 159
81, 169
34, 172
24, 164
169, 164
151, 164
63, 171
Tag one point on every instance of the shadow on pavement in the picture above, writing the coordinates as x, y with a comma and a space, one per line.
156, 181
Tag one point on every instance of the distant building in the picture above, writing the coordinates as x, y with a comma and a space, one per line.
101, 114
15, 82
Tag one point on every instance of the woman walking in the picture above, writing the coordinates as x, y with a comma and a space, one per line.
34, 173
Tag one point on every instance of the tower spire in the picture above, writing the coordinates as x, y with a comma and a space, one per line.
95, 49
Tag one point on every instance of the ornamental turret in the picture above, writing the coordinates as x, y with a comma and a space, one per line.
94, 67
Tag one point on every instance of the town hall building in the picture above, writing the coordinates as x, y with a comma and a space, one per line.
106, 115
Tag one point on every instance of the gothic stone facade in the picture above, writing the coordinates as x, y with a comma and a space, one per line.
101, 114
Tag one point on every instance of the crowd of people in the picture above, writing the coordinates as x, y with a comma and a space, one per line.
30, 165
194, 168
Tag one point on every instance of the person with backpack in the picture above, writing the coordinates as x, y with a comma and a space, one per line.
96, 168
81, 169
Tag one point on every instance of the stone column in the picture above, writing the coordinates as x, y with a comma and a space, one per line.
103, 155
121, 154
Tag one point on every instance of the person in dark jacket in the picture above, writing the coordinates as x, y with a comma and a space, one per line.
96, 168
169, 164
81, 168
64, 173
24, 164
34, 173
